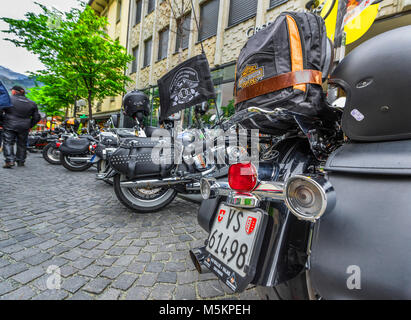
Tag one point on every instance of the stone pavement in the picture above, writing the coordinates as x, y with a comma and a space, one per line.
61, 225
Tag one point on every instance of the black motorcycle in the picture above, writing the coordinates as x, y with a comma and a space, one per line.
325, 214
148, 176
78, 153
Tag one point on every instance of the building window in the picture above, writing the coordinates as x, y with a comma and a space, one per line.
139, 5
135, 61
276, 3
163, 44
183, 32
208, 19
118, 11
147, 52
241, 10
151, 6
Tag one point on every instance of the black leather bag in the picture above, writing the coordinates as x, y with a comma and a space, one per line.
135, 158
75, 146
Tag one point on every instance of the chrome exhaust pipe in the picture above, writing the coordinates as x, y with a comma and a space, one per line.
84, 159
197, 256
155, 183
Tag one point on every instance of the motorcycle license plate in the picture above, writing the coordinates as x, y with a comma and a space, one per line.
234, 244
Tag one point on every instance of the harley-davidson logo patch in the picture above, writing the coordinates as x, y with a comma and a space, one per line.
250, 75
250, 224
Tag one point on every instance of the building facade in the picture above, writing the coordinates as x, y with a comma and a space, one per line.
161, 34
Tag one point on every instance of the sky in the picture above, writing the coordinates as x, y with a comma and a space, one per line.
19, 59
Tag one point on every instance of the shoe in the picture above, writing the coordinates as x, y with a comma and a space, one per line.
20, 164
8, 165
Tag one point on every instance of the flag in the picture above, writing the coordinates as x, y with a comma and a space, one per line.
4, 97
186, 85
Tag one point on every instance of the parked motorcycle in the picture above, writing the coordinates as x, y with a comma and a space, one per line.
78, 153
148, 177
324, 214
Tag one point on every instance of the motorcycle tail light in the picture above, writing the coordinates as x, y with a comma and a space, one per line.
242, 177
309, 197
58, 144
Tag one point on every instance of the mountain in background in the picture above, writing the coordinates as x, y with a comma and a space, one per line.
10, 78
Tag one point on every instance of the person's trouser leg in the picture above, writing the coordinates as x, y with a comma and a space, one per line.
9, 139
1, 138
21, 152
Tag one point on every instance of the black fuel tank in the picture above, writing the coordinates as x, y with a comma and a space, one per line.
377, 79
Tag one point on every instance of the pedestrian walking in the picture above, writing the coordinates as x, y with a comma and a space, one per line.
18, 120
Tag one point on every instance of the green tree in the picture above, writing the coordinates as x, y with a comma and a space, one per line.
74, 46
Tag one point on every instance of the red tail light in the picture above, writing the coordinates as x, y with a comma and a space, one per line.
242, 177
58, 144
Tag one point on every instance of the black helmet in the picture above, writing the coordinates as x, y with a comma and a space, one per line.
376, 77
136, 102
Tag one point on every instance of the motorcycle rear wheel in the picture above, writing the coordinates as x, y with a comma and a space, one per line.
140, 200
72, 166
51, 153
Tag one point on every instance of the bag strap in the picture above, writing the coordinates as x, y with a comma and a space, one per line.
279, 82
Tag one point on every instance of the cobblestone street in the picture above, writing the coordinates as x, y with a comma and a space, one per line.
50, 216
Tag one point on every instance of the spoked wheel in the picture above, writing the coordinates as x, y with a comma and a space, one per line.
74, 165
102, 167
51, 153
143, 200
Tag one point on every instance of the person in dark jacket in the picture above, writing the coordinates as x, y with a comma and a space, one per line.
17, 122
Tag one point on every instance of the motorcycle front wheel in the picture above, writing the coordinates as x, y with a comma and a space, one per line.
142, 200
51, 154
72, 165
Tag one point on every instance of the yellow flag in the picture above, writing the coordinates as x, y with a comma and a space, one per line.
356, 28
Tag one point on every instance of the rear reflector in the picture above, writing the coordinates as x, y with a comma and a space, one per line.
242, 177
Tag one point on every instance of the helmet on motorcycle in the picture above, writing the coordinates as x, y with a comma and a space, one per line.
136, 102
376, 77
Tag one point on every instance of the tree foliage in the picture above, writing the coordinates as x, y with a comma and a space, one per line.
75, 50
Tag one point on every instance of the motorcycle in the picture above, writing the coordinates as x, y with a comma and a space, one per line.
78, 153
324, 215
147, 176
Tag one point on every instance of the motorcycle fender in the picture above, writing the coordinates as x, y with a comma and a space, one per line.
360, 250
206, 213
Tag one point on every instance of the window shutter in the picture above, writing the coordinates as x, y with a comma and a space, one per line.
183, 35
241, 10
139, 4
135, 61
151, 6
208, 19
147, 52
276, 3
163, 44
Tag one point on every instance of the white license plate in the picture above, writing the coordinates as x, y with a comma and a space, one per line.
233, 237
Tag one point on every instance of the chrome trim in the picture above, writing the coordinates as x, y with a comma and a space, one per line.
155, 183
326, 190
242, 200
86, 159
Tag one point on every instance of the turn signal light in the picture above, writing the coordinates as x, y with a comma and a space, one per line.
242, 177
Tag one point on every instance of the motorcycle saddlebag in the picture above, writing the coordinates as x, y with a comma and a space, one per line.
360, 250
284, 66
75, 146
134, 158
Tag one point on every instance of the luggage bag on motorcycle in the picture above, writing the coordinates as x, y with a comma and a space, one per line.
139, 157
284, 66
75, 146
